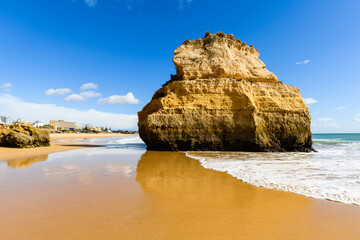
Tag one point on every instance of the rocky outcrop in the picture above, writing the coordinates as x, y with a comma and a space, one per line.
23, 136
226, 101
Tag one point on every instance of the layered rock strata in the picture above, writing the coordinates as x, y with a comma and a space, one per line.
227, 100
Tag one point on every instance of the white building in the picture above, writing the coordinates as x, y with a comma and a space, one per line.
64, 125
5, 120
38, 124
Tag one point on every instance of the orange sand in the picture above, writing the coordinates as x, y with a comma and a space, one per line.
12, 153
170, 196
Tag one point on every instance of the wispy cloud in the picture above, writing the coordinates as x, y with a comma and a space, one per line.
16, 108
6, 87
309, 101
303, 62
183, 2
90, 3
129, 98
89, 85
341, 108
357, 117
74, 98
325, 123
132, 4
58, 91
90, 94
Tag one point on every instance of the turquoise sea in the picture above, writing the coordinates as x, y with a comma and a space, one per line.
335, 138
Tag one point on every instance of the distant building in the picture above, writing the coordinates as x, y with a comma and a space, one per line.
64, 125
5, 120
38, 124
92, 128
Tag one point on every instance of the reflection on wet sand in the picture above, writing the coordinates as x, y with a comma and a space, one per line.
170, 197
26, 162
189, 201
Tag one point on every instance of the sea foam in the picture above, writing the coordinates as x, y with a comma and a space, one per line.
128, 140
331, 173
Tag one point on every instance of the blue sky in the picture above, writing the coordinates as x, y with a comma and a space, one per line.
125, 47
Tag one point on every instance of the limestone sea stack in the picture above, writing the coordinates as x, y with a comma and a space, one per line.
223, 98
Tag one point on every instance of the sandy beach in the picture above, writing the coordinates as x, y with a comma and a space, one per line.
179, 120
109, 193
13, 153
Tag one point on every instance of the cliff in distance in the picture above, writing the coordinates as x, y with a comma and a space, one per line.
224, 99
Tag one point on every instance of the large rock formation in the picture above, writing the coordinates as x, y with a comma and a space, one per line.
23, 136
223, 98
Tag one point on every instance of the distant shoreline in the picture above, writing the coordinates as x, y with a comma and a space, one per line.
15, 153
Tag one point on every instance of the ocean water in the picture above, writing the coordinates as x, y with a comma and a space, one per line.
126, 142
332, 173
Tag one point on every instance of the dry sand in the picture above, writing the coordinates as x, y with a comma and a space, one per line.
13, 153
168, 196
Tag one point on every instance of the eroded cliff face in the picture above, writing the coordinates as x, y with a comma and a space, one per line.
220, 56
256, 113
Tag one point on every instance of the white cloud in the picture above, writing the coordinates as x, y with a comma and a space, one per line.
16, 108
90, 94
325, 123
74, 98
82, 96
91, 3
341, 108
303, 62
309, 101
129, 98
87, 86
6, 87
58, 91
357, 117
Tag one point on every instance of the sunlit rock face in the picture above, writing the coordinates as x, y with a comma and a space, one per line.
23, 136
224, 99
220, 56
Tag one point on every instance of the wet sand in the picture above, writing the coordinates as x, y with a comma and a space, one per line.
13, 153
100, 193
